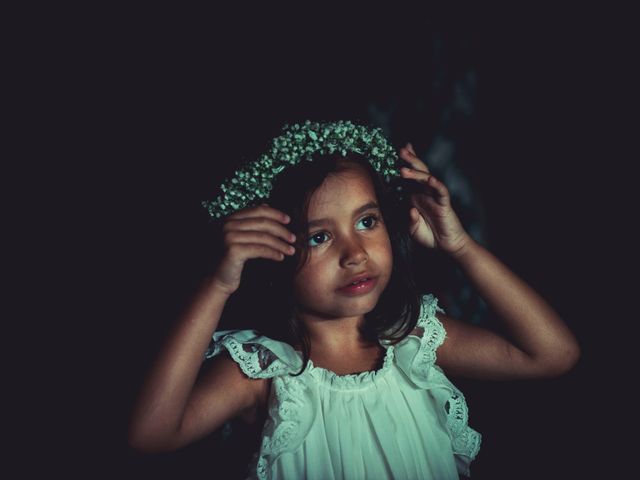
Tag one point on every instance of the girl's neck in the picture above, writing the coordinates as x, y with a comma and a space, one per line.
347, 362
336, 346
332, 337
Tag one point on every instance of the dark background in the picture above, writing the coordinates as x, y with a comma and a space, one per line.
162, 105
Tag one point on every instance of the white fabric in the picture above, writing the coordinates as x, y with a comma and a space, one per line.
403, 421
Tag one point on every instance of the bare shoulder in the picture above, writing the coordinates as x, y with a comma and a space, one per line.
222, 392
248, 392
470, 351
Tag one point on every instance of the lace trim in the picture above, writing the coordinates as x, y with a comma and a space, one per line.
282, 427
433, 332
465, 441
255, 360
351, 381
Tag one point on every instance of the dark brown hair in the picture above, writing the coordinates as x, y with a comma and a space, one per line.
268, 285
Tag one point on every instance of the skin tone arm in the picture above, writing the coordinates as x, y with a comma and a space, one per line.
162, 401
543, 346
174, 406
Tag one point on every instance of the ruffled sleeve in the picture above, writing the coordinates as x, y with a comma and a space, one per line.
416, 357
291, 406
258, 356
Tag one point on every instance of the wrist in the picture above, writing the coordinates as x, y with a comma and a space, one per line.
215, 286
464, 248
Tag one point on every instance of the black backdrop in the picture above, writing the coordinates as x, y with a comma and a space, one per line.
166, 103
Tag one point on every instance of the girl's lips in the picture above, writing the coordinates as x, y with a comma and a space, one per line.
360, 288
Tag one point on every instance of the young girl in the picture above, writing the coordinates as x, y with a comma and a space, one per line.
349, 364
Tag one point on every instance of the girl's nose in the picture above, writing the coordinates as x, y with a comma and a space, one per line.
353, 253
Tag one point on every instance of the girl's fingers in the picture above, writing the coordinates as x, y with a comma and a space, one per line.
418, 175
262, 210
267, 252
257, 250
258, 238
244, 220
261, 224
426, 179
259, 232
409, 156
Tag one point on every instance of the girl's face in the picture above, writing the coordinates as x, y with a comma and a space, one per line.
346, 238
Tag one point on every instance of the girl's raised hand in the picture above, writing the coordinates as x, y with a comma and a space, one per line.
434, 224
253, 232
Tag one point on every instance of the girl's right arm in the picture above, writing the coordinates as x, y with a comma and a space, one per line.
174, 407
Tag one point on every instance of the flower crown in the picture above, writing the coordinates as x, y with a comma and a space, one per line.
254, 181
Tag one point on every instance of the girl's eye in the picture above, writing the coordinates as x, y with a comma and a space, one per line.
370, 220
314, 237
369, 217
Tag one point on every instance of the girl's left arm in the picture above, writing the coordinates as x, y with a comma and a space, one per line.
542, 345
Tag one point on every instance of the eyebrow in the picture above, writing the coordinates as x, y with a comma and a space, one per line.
357, 211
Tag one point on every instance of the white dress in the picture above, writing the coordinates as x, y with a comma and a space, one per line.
403, 421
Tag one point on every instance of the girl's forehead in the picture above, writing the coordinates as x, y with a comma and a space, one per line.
342, 189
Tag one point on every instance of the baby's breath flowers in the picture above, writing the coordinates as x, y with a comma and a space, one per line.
253, 182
